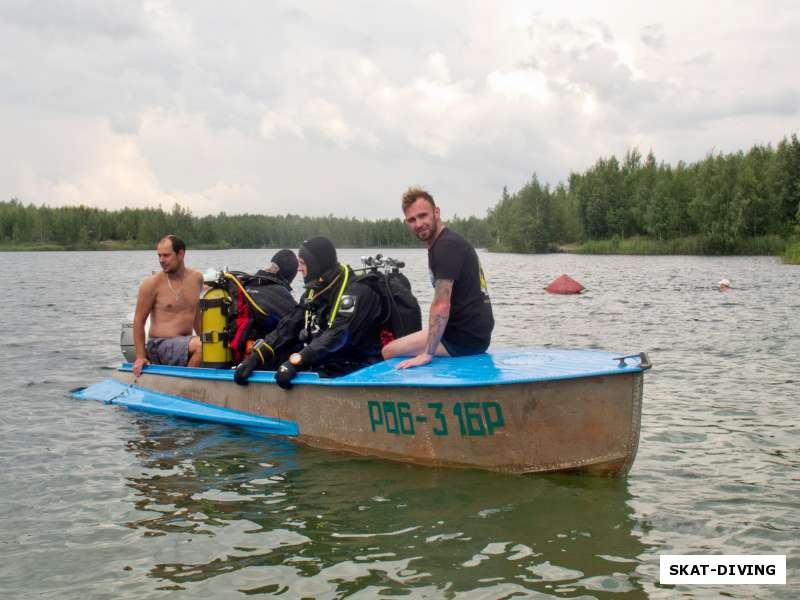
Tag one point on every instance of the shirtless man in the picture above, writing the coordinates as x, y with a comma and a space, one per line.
170, 299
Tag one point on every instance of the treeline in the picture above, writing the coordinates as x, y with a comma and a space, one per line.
81, 227
727, 203
721, 202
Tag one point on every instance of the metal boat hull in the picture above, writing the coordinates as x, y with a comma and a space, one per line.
588, 424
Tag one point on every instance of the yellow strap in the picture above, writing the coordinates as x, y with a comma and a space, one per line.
248, 296
338, 298
258, 349
308, 313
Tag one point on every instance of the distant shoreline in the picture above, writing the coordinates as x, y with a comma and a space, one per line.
119, 246
787, 250
770, 245
101, 246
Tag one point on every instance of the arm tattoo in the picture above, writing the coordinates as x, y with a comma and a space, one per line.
440, 313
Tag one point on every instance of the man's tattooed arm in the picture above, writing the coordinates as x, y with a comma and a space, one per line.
440, 313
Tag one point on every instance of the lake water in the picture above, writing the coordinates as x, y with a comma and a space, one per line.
100, 502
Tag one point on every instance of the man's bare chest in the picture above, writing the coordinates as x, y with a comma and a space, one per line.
176, 298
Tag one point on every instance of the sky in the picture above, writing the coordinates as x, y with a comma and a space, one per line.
320, 108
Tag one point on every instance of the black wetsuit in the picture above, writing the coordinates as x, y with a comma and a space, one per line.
469, 328
273, 295
348, 343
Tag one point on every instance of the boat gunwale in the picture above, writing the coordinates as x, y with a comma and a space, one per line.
446, 381
314, 379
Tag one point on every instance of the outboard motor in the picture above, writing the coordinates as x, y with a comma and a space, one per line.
126, 339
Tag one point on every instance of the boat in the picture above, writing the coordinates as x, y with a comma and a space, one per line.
512, 410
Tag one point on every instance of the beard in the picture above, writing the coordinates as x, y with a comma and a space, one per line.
425, 234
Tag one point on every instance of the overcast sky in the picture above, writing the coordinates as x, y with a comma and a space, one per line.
337, 107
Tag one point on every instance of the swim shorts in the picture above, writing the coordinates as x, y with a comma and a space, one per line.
169, 351
462, 349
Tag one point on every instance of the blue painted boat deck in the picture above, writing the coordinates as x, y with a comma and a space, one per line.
498, 367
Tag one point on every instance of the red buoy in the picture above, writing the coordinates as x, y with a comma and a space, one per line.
565, 285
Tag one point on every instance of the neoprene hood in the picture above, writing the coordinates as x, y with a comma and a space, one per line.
320, 257
287, 264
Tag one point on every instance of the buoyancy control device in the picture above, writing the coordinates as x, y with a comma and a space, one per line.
237, 309
402, 313
259, 302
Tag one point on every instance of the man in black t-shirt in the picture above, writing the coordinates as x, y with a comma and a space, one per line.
461, 319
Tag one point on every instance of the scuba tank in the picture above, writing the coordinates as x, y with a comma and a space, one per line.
126, 339
215, 306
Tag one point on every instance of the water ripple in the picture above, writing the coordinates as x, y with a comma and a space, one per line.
100, 502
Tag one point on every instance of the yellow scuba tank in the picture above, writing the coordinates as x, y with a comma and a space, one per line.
215, 305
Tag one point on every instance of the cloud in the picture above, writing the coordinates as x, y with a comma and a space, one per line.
702, 59
85, 162
108, 18
270, 108
653, 36
520, 83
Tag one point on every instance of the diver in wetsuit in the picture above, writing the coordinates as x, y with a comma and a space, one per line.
262, 300
335, 329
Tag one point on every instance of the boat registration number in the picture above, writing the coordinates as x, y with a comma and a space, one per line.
463, 418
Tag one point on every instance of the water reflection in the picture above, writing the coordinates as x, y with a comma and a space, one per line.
231, 510
716, 469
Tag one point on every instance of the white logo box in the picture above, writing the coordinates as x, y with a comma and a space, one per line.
728, 569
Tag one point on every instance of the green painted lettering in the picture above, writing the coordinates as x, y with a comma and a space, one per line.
474, 419
405, 418
493, 415
439, 415
390, 410
375, 414
458, 411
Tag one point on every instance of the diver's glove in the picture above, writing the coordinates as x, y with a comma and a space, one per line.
288, 371
262, 355
245, 368
285, 374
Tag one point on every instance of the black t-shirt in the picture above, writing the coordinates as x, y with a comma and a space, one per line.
471, 321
